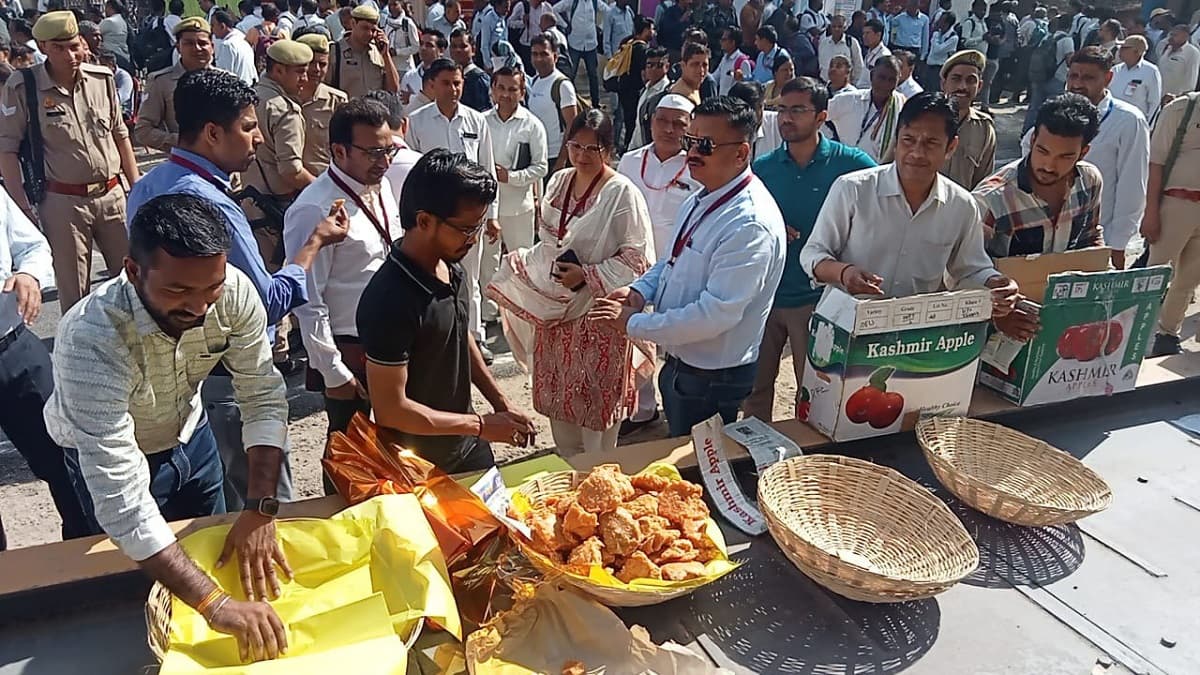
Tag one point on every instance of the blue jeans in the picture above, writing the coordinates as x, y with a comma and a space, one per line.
225, 417
691, 395
1038, 94
589, 61
186, 480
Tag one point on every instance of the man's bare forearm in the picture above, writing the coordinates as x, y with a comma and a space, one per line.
128, 160
174, 569
265, 464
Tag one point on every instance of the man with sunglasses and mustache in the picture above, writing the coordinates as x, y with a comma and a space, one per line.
421, 356
712, 293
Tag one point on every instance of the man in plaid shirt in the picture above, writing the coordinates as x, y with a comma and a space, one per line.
1048, 201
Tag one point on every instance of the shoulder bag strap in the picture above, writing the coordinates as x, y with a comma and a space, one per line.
1177, 142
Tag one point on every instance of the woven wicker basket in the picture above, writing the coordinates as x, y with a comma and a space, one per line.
863, 530
1008, 475
558, 482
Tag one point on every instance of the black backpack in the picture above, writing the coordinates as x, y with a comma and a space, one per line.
152, 46
1043, 60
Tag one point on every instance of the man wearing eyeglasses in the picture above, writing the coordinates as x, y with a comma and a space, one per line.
798, 174
421, 358
712, 293
360, 140
218, 136
457, 128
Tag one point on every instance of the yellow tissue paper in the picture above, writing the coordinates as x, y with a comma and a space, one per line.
364, 581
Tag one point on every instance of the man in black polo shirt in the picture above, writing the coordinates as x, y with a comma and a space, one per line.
412, 321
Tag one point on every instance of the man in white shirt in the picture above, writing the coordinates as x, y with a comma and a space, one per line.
361, 145
25, 372
447, 124
838, 43
551, 96
1121, 150
431, 47
435, 18
1135, 80
232, 52
529, 25
902, 228
405, 157
712, 293
973, 29
402, 35
655, 77
519, 141
868, 118
875, 50
907, 84
1178, 63
581, 18
735, 66
660, 172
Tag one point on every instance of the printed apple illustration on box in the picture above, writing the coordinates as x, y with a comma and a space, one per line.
873, 404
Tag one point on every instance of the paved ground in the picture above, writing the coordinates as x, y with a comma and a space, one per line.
29, 515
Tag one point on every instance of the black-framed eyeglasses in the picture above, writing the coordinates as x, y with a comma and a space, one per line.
703, 144
465, 233
795, 110
580, 147
376, 154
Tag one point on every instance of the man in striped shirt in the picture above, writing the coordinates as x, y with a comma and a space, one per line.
128, 362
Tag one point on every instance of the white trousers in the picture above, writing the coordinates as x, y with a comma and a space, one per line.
572, 439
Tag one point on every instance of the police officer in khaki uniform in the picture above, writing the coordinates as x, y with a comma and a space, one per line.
362, 60
318, 101
155, 126
86, 145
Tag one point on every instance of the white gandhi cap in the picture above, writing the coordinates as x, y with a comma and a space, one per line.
676, 102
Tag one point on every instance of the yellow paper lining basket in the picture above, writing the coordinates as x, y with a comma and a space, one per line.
599, 583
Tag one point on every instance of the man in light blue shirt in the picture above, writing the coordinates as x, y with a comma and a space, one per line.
766, 39
712, 294
581, 17
618, 25
910, 30
218, 132
492, 28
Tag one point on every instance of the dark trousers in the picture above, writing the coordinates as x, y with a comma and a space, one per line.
340, 412
25, 384
187, 480
691, 395
525, 52
629, 101
593, 75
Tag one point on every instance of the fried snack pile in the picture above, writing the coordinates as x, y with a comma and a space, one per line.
644, 527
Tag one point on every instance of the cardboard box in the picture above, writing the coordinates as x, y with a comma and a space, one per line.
874, 366
1094, 333
1030, 271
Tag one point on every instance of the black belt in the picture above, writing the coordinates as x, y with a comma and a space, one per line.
704, 372
7, 340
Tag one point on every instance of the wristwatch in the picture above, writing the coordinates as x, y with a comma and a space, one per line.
267, 506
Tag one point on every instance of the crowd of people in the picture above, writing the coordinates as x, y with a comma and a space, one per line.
392, 181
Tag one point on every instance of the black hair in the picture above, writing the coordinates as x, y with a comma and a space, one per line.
734, 111
875, 25
1114, 26
692, 49
439, 66
657, 53
356, 111
309, 6
781, 59
180, 225
20, 26
1092, 55
461, 33
545, 40
117, 6
599, 122
209, 96
768, 33
950, 17
887, 62
931, 103
438, 39
246, 7
269, 11
732, 33
695, 35
906, 57
508, 71
176, 7
817, 92
158, 7
224, 18
391, 101
641, 23
442, 181
751, 92
1070, 115
293, 5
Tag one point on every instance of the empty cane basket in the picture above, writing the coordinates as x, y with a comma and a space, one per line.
863, 530
1008, 475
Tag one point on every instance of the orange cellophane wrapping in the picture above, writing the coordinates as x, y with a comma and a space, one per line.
366, 461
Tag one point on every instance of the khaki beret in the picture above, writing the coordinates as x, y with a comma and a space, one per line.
192, 23
967, 57
365, 12
56, 26
316, 42
290, 53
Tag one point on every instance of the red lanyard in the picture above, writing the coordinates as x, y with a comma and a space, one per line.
646, 158
563, 216
685, 233
384, 230
200, 171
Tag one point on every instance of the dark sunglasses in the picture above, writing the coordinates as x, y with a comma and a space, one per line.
703, 144
377, 154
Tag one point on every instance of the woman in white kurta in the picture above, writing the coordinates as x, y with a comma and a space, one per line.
585, 373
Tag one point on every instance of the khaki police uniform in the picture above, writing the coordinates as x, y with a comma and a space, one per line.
1179, 241
317, 113
355, 72
281, 121
156, 126
84, 198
